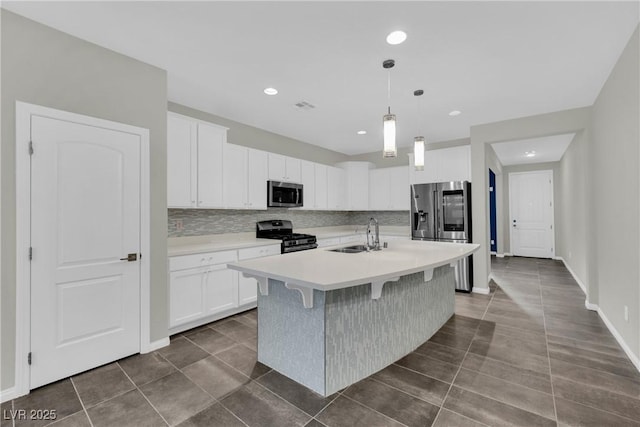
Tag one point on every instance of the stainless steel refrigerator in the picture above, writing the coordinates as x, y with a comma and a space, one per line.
442, 212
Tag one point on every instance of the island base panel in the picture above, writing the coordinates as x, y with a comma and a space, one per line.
347, 336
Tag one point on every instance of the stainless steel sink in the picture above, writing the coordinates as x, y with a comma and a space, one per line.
350, 249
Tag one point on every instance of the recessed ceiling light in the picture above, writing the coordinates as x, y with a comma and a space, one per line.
530, 153
271, 91
362, 132
396, 37
455, 113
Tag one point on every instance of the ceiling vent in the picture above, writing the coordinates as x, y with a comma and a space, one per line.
304, 105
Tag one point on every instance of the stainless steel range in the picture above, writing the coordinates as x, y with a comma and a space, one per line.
283, 230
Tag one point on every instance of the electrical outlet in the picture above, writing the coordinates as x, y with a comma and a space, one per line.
179, 225
626, 313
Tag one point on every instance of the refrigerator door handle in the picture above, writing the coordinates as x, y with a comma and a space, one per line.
436, 222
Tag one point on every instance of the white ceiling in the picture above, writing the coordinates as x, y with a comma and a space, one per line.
547, 149
491, 60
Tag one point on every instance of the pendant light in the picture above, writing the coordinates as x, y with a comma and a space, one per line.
418, 141
389, 120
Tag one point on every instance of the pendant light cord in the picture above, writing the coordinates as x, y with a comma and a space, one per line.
389, 90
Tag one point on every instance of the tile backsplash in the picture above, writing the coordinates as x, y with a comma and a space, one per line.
197, 222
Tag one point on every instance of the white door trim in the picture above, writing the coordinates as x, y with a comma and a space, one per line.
553, 210
24, 112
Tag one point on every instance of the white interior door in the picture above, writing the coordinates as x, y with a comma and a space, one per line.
531, 213
85, 217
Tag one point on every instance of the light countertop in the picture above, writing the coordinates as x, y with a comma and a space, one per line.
325, 270
230, 241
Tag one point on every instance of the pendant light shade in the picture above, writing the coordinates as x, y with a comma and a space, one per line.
418, 153
418, 141
389, 135
389, 120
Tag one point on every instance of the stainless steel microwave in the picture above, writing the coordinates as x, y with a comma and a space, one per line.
284, 194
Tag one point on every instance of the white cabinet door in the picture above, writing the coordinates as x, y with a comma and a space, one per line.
181, 162
293, 169
235, 176
220, 291
256, 179
379, 189
357, 186
455, 164
211, 140
247, 289
399, 188
277, 167
336, 188
321, 186
308, 181
185, 295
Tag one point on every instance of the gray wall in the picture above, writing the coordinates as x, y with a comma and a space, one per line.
199, 222
250, 136
614, 143
557, 195
50, 68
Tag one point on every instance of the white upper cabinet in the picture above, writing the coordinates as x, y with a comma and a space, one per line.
244, 178
336, 189
284, 168
389, 189
447, 164
194, 163
357, 185
308, 181
320, 196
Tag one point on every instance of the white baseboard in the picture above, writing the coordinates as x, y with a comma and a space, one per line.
155, 345
589, 306
508, 254
493, 253
8, 394
482, 291
499, 255
634, 359
576, 278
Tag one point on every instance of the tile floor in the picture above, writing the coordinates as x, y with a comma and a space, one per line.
528, 354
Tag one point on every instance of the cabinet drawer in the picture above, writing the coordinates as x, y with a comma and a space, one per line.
258, 252
197, 260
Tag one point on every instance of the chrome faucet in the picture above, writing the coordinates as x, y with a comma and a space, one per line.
376, 240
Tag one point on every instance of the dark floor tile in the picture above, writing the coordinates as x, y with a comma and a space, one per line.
451, 338
580, 316
215, 415
235, 330
211, 340
527, 378
243, 359
252, 343
491, 412
506, 392
6, 416
129, 409
535, 325
447, 418
144, 368
441, 352
594, 360
344, 412
176, 398
470, 312
314, 423
393, 403
249, 318
215, 377
514, 356
457, 321
432, 367
593, 328
513, 310
598, 398
595, 378
296, 394
181, 352
487, 330
526, 344
421, 386
574, 414
517, 298
79, 419
257, 406
610, 348
100, 384
580, 335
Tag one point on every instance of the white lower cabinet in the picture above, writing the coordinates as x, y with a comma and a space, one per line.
202, 289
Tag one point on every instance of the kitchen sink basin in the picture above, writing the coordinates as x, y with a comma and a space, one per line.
350, 249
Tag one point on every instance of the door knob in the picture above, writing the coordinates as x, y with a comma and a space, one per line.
130, 257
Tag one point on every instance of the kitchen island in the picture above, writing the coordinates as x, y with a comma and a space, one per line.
328, 319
